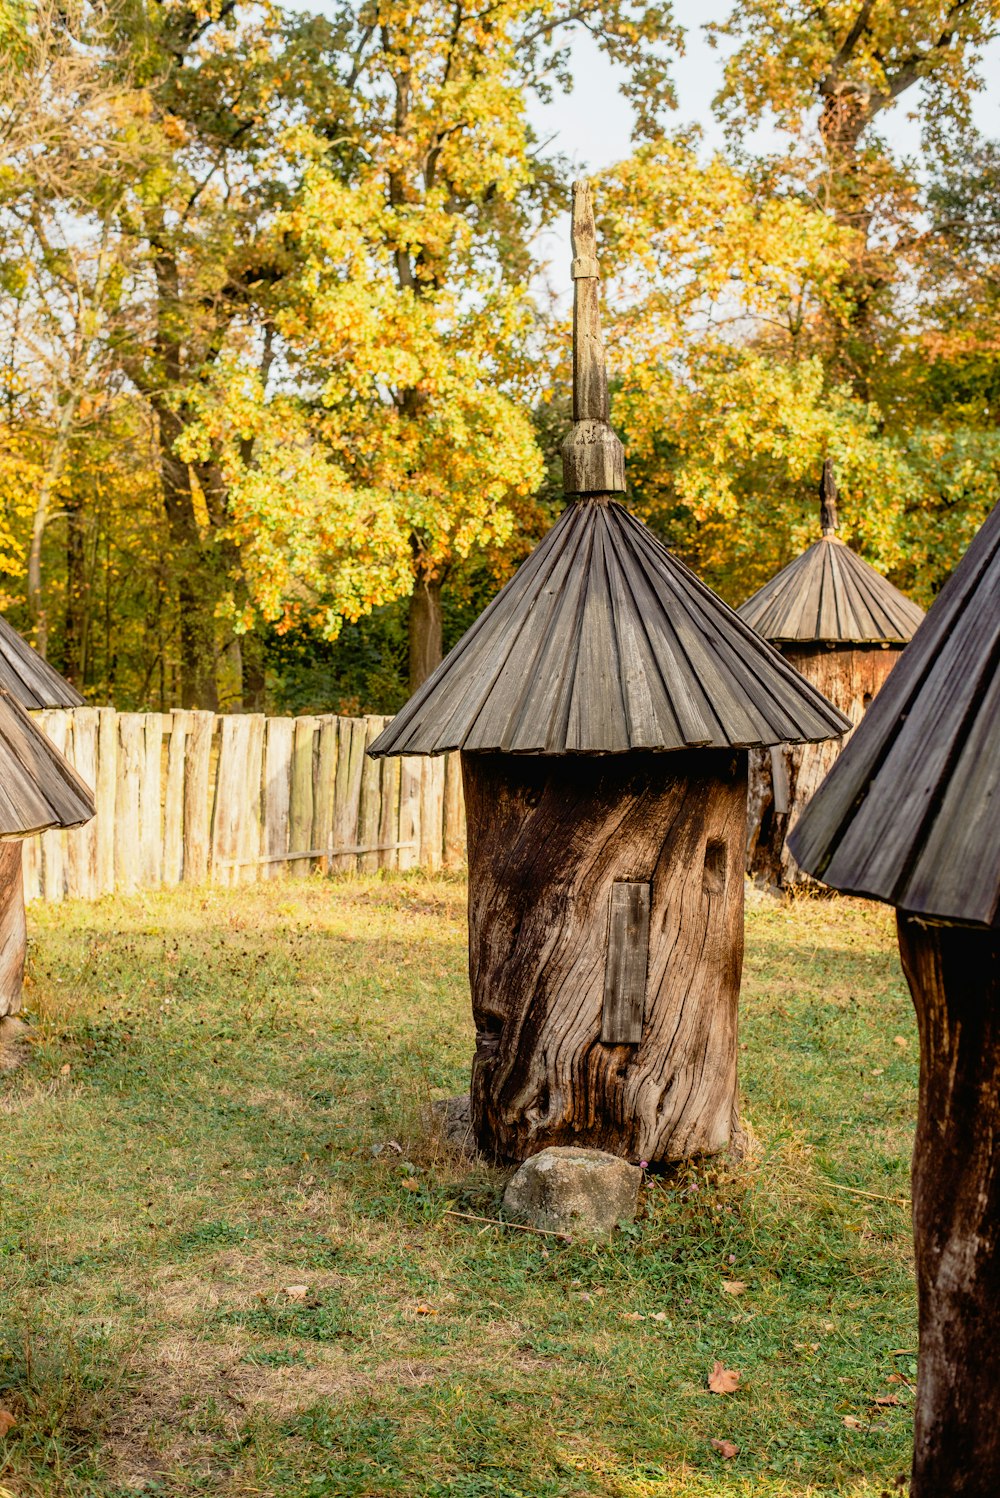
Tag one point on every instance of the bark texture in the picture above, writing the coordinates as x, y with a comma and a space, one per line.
13, 931
425, 628
783, 779
549, 838
954, 977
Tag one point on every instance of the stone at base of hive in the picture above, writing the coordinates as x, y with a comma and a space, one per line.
584, 1193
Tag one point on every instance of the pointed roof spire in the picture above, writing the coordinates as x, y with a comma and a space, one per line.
828, 500
830, 594
593, 458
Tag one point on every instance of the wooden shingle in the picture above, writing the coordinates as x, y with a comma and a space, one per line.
28, 677
909, 812
38, 787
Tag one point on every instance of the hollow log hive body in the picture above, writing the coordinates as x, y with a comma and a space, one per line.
784, 778
954, 977
549, 842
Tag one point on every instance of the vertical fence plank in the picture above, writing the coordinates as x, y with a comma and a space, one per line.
128, 827
229, 808
31, 868
454, 813
370, 815
105, 795
249, 842
432, 814
150, 802
197, 801
410, 776
325, 788
388, 832
55, 725
277, 787
173, 800
81, 843
347, 792
300, 810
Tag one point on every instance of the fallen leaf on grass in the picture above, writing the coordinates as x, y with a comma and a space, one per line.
722, 1380
853, 1424
887, 1399
64, 1070
901, 1041
410, 1184
296, 1292
633, 1316
726, 1449
733, 1287
425, 1310
7, 1422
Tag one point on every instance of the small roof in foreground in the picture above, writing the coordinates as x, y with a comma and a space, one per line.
28, 677
830, 594
38, 787
604, 642
908, 814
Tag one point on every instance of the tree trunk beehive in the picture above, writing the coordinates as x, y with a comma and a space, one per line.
785, 777
605, 950
954, 977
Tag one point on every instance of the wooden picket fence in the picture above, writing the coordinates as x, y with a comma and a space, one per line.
197, 797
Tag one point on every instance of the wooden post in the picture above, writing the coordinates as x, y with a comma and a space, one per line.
173, 805
370, 815
300, 811
106, 797
197, 803
150, 802
55, 725
326, 782
410, 776
388, 832
551, 841
454, 813
249, 841
347, 792
954, 978
81, 843
13, 930
432, 814
128, 826
277, 783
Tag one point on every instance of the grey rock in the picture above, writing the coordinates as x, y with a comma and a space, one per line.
583, 1193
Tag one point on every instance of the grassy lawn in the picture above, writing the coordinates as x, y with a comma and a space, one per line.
223, 1099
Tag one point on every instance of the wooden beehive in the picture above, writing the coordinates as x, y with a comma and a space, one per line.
604, 704
843, 625
38, 790
910, 814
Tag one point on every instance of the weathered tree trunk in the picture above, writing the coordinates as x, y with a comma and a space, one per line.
75, 626
954, 977
425, 628
583, 1036
254, 672
13, 931
784, 778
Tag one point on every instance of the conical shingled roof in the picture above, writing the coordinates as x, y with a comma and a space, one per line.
830, 594
604, 642
30, 678
908, 814
38, 787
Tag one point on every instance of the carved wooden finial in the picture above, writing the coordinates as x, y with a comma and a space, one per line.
828, 500
593, 457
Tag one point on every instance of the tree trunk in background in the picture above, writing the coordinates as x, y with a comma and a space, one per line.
74, 663
605, 950
253, 670
196, 590
13, 931
425, 628
954, 977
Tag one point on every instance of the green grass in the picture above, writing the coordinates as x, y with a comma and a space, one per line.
193, 1130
